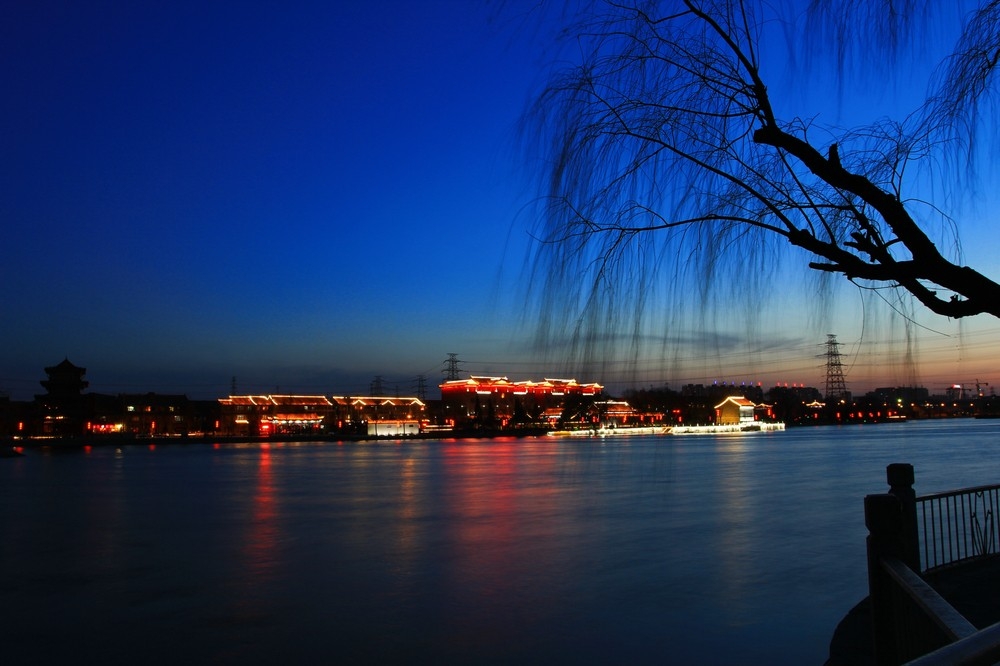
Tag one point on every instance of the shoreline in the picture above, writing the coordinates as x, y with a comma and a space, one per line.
14, 446
35, 443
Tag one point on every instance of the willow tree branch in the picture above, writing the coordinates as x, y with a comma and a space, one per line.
981, 294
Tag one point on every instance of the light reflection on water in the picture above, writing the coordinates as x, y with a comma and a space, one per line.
641, 550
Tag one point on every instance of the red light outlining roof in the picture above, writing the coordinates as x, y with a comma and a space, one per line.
502, 385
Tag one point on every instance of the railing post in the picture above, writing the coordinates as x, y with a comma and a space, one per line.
900, 478
883, 518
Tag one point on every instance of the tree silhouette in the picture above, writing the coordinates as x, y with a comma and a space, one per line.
662, 148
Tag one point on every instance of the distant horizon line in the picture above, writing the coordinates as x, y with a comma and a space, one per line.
973, 390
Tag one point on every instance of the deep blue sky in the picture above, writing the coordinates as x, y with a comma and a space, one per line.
302, 195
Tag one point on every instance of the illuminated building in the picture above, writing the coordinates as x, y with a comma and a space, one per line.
734, 409
379, 415
264, 415
497, 401
600, 413
620, 412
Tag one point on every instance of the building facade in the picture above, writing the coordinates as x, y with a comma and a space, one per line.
497, 402
734, 410
266, 415
379, 416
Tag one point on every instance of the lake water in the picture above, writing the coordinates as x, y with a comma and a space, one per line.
684, 550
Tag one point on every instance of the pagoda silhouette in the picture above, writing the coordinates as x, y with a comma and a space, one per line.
64, 407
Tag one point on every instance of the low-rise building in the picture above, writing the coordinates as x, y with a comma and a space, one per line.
492, 402
265, 415
734, 410
379, 415
147, 415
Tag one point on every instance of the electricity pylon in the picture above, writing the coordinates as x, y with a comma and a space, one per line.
451, 369
836, 388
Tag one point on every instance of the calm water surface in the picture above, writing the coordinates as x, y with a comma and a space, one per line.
706, 550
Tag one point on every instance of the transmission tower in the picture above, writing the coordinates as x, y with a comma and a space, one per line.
836, 389
421, 387
451, 369
375, 388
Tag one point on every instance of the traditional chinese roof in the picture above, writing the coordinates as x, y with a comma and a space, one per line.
300, 400
616, 407
484, 384
65, 367
738, 400
65, 380
245, 400
277, 400
369, 401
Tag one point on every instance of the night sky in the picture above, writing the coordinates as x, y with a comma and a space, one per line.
309, 194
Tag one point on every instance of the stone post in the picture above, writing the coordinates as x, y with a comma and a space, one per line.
884, 520
900, 479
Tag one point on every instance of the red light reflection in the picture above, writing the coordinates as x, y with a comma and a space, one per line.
263, 537
488, 501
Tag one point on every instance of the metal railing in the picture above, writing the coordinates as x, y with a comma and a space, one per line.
911, 622
958, 525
